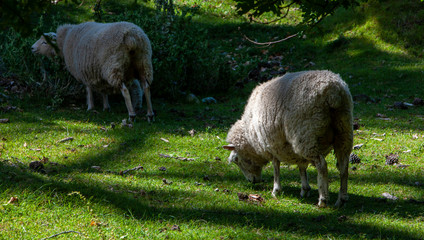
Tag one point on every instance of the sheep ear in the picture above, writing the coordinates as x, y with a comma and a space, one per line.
230, 147
51, 35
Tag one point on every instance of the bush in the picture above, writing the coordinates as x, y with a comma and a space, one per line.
43, 77
183, 59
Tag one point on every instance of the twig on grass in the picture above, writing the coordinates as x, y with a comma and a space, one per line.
267, 43
64, 232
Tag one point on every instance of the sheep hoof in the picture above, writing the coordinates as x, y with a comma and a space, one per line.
150, 118
322, 203
340, 202
132, 118
304, 193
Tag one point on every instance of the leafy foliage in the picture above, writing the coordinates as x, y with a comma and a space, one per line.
313, 11
21, 15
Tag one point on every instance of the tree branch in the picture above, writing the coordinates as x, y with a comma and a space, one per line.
57, 234
267, 43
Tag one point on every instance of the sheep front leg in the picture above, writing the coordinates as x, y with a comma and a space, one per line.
146, 89
305, 190
127, 97
106, 106
321, 166
90, 101
277, 184
343, 165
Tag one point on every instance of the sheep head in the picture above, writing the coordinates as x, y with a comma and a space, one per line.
43, 47
251, 169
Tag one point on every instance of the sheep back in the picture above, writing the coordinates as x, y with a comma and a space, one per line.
295, 118
94, 52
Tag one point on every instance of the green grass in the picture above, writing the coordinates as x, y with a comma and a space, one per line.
192, 194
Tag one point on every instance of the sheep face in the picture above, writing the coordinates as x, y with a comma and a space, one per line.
251, 170
42, 47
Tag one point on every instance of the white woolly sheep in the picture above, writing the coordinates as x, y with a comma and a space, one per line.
105, 57
296, 119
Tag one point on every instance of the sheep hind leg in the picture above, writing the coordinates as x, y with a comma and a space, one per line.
136, 95
125, 92
90, 101
106, 106
321, 166
343, 165
305, 190
150, 113
277, 184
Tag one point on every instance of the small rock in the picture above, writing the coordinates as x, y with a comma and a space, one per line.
358, 146
191, 98
389, 196
400, 105
209, 100
216, 190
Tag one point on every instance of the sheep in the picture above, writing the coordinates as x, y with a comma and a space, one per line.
296, 119
105, 57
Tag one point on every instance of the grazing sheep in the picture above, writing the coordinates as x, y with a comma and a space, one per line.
296, 119
105, 57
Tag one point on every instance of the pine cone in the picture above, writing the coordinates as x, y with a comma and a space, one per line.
353, 158
392, 159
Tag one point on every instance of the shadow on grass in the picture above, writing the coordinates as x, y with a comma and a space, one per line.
369, 76
155, 205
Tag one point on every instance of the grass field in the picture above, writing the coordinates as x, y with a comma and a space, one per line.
170, 179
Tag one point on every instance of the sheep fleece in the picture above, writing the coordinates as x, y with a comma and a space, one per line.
94, 52
295, 118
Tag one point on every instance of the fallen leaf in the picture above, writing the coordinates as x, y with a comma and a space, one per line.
13, 200
164, 139
65, 140
256, 198
175, 228
358, 146
242, 196
192, 132
132, 169
342, 218
166, 181
44, 160
98, 168
36, 166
